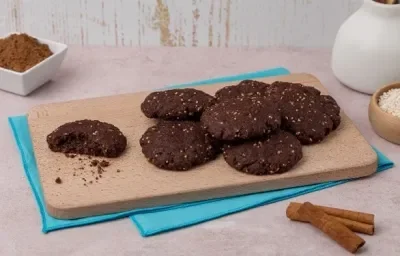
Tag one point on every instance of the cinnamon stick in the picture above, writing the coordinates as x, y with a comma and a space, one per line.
345, 214
356, 226
292, 213
334, 229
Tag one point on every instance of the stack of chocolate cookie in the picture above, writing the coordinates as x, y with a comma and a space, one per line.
259, 127
178, 141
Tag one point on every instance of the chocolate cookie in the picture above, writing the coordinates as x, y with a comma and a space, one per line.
279, 89
332, 109
277, 153
241, 118
245, 88
89, 137
178, 145
176, 104
306, 113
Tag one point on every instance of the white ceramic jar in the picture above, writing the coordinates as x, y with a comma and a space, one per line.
366, 51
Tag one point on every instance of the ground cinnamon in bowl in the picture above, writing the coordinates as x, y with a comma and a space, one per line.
20, 52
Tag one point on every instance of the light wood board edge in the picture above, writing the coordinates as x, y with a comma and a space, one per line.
194, 196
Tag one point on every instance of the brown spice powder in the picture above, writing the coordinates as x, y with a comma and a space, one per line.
20, 52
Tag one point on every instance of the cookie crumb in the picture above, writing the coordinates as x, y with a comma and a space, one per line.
58, 180
94, 162
104, 163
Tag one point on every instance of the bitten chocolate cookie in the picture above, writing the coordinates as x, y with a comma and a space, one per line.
306, 113
176, 104
246, 88
178, 145
277, 153
89, 137
241, 118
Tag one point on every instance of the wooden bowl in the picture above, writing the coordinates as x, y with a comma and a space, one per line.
384, 124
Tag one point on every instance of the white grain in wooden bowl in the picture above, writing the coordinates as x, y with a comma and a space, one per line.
384, 124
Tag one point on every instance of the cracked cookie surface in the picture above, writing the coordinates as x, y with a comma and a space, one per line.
178, 145
246, 88
332, 109
241, 118
305, 113
176, 104
277, 153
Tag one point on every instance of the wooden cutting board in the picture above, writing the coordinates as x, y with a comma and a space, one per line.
131, 182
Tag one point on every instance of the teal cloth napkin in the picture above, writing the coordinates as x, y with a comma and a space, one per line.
151, 221
162, 220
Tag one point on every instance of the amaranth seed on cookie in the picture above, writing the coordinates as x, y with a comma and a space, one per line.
241, 118
277, 153
178, 145
176, 104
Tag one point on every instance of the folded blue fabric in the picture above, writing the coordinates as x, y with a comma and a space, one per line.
20, 131
155, 220
162, 220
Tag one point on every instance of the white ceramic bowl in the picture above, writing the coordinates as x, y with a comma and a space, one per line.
26, 82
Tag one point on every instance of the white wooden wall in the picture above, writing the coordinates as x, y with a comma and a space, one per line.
214, 23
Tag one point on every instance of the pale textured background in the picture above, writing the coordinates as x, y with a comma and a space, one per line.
264, 231
216, 23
